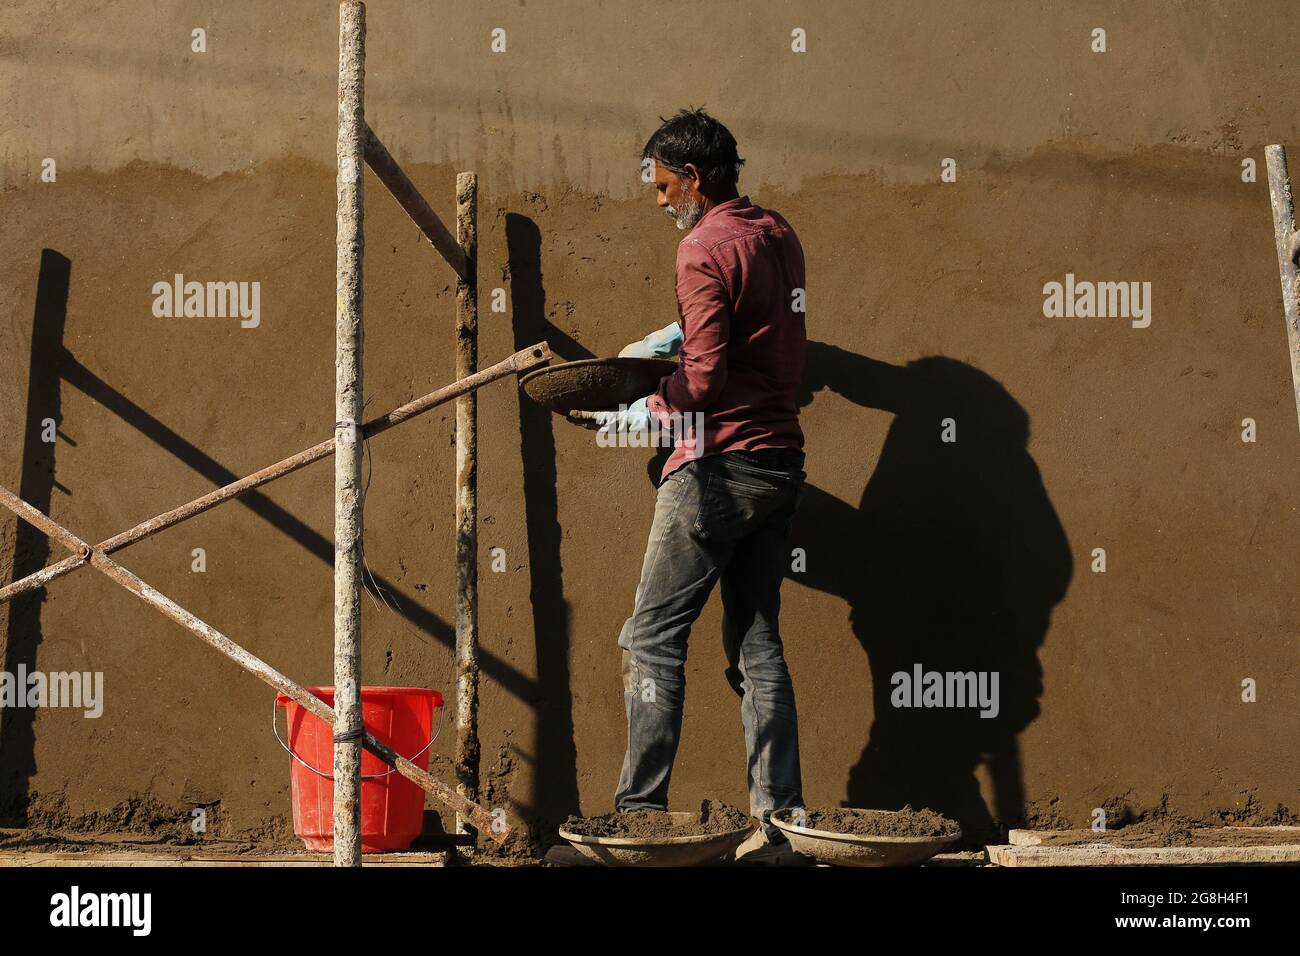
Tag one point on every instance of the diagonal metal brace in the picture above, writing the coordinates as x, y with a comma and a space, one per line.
519, 362
381, 161
250, 662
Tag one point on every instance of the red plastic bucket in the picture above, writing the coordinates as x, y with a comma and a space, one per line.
392, 807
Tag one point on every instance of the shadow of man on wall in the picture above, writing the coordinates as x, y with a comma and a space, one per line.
555, 762
952, 560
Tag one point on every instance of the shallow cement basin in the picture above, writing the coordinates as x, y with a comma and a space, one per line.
853, 849
659, 851
594, 385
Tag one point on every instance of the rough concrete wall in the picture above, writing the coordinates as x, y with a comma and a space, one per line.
887, 86
1118, 689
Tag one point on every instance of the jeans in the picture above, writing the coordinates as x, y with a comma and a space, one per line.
721, 517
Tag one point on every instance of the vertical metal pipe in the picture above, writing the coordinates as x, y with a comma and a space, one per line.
1284, 231
467, 743
348, 503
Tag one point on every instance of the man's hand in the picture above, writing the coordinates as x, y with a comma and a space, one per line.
665, 343
632, 418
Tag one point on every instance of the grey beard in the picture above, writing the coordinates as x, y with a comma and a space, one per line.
689, 214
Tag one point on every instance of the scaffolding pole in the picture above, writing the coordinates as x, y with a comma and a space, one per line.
1288, 245
349, 504
467, 743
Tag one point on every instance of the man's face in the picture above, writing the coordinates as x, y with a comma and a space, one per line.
677, 197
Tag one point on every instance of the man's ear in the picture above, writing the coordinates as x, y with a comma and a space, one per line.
691, 173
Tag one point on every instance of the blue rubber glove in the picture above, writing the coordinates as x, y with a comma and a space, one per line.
665, 343
634, 418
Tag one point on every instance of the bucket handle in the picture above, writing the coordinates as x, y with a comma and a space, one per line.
275, 729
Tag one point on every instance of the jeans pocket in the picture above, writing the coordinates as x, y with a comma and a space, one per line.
747, 467
730, 508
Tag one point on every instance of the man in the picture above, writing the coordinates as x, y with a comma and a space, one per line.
723, 510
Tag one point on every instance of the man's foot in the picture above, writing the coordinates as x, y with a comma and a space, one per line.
760, 850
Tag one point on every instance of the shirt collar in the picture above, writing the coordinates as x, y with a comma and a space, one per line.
740, 202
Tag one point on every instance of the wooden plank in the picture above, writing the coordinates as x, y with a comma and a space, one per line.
1097, 854
1285, 835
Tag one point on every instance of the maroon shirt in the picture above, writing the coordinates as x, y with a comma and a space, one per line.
743, 341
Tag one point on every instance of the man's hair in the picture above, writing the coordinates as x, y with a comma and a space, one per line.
693, 136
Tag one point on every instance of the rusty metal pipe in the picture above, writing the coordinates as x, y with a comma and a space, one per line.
381, 161
521, 361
